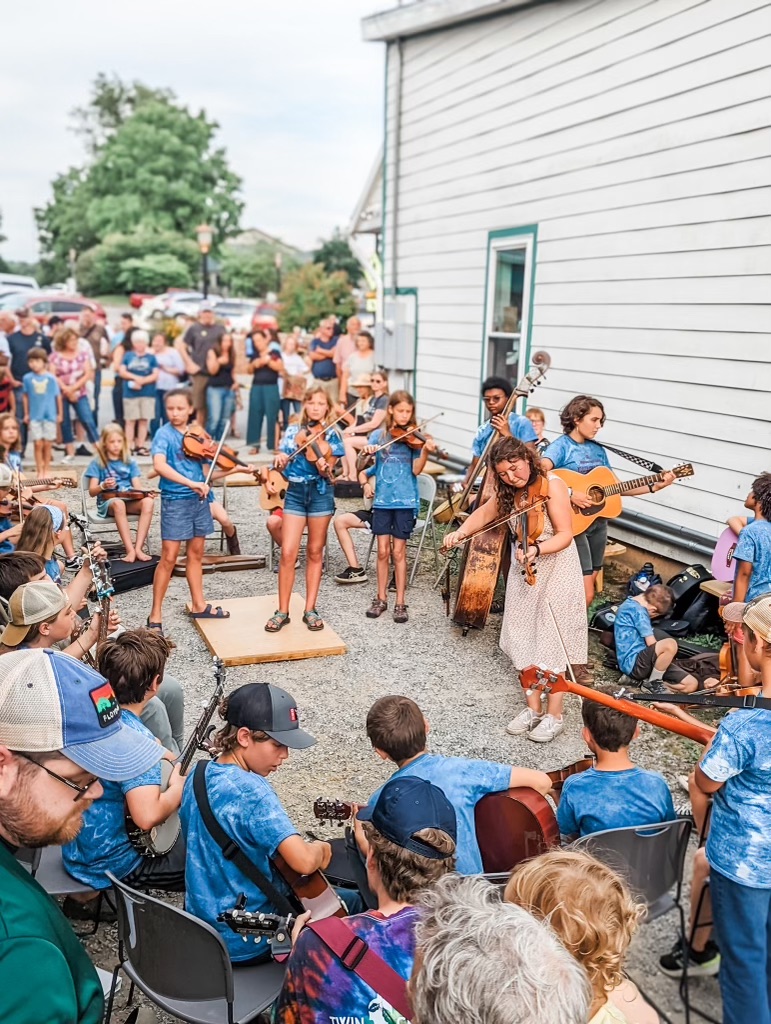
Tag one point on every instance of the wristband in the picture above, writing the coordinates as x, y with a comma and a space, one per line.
537, 547
651, 488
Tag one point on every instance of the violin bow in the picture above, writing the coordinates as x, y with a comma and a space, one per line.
562, 642
213, 464
18, 497
326, 428
406, 433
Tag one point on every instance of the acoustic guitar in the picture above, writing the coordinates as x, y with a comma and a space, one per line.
605, 491
255, 926
723, 566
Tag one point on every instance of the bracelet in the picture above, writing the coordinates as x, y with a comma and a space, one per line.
80, 645
651, 488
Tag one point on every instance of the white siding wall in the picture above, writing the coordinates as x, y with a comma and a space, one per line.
635, 134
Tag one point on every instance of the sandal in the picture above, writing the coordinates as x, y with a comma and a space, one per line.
155, 626
142, 452
377, 608
313, 620
277, 621
400, 613
210, 613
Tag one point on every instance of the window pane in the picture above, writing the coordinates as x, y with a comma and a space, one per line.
509, 287
61, 306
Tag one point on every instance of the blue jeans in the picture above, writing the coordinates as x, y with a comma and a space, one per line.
743, 931
289, 407
220, 403
82, 410
97, 390
264, 404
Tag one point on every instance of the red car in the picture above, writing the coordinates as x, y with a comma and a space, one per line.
265, 317
68, 307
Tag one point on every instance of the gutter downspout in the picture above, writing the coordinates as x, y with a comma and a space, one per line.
397, 168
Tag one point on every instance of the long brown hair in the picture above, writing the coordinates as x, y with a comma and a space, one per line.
16, 446
37, 533
509, 449
394, 399
315, 390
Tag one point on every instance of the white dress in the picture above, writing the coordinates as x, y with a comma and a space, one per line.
528, 635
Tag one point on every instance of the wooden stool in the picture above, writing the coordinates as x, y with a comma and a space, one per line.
612, 549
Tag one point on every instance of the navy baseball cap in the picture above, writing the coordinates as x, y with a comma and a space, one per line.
269, 709
406, 806
51, 701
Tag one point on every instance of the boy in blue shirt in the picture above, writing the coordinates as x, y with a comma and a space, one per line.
42, 399
736, 770
496, 392
753, 562
615, 793
641, 657
397, 730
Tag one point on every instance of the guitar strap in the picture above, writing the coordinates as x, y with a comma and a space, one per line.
749, 701
232, 851
356, 956
652, 467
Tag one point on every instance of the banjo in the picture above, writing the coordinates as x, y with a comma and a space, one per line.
157, 841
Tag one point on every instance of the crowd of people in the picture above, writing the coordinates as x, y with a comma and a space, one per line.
550, 947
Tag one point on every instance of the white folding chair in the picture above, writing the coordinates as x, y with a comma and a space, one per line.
424, 523
96, 523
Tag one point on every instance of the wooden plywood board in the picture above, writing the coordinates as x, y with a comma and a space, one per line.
242, 640
715, 587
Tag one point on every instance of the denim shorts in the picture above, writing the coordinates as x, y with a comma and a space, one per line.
185, 518
304, 499
393, 522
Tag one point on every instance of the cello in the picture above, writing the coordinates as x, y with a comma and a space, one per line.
482, 558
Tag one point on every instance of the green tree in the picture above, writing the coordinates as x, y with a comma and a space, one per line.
112, 102
254, 272
153, 273
99, 269
310, 293
336, 254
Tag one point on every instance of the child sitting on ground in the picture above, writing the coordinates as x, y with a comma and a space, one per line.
397, 730
615, 793
641, 657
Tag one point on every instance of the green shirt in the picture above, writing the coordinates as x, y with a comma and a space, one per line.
45, 974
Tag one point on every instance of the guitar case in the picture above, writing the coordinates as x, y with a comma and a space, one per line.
685, 588
132, 575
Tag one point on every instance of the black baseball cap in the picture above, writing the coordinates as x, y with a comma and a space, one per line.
269, 709
406, 806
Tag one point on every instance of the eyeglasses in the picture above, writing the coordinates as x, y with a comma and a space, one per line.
80, 790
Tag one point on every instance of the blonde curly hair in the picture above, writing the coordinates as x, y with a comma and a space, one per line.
589, 907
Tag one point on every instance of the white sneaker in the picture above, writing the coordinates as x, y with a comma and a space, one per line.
524, 722
547, 729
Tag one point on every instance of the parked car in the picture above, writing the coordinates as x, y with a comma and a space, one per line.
266, 317
45, 304
236, 314
17, 283
173, 304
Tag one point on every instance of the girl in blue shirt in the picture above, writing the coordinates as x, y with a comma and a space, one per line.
114, 470
582, 418
40, 534
396, 503
310, 502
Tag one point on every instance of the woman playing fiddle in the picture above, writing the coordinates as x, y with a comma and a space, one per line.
310, 502
544, 543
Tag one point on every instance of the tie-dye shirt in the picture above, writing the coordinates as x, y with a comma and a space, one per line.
319, 990
593, 801
252, 815
103, 843
520, 426
739, 843
300, 469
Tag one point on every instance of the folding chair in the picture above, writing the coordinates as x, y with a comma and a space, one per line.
96, 523
652, 859
427, 496
47, 868
182, 965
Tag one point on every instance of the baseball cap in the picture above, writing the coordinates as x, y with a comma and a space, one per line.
30, 604
269, 709
50, 701
6, 476
57, 517
406, 806
755, 614
206, 307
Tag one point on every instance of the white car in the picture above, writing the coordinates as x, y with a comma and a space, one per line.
236, 314
172, 305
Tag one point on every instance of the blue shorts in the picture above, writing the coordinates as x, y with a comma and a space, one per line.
304, 499
393, 522
185, 518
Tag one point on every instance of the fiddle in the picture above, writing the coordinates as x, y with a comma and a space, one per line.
404, 435
133, 494
414, 439
312, 439
199, 445
529, 503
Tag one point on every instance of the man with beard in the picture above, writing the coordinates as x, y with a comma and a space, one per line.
60, 732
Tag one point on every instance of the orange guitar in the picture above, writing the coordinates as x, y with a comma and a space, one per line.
534, 678
605, 492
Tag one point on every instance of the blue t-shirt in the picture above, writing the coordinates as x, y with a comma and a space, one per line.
53, 571
6, 547
323, 369
250, 812
565, 453
124, 473
739, 843
41, 390
632, 625
168, 442
396, 486
13, 460
464, 783
520, 427
103, 843
318, 989
299, 469
142, 366
755, 546
593, 801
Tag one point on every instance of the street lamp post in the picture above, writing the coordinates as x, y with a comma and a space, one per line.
278, 260
205, 234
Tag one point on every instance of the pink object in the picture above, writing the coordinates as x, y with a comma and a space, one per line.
723, 565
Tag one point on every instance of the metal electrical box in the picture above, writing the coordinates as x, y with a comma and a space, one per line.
395, 334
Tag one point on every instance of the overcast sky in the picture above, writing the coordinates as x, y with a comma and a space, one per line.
297, 94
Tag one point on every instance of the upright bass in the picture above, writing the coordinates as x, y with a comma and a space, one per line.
483, 555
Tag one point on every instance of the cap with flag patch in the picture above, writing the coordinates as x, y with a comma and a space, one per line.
50, 701
269, 709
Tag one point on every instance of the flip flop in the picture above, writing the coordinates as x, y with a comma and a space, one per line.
210, 613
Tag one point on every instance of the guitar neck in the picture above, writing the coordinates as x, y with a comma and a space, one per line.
46, 481
625, 486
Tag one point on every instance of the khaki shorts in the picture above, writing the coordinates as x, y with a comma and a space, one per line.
198, 384
332, 387
138, 408
42, 430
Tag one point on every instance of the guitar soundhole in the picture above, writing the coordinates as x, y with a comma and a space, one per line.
597, 496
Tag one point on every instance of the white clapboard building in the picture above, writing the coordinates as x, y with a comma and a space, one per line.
591, 178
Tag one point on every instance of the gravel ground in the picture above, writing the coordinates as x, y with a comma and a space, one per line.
464, 685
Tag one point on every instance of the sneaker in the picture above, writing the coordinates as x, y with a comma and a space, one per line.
526, 720
376, 609
83, 451
351, 575
66, 460
654, 686
704, 964
547, 729
73, 564
400, 613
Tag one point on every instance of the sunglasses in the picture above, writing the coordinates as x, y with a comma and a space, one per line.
80, 790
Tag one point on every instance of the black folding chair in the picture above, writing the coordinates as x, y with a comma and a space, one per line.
182, 965
46, 867
652, 859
